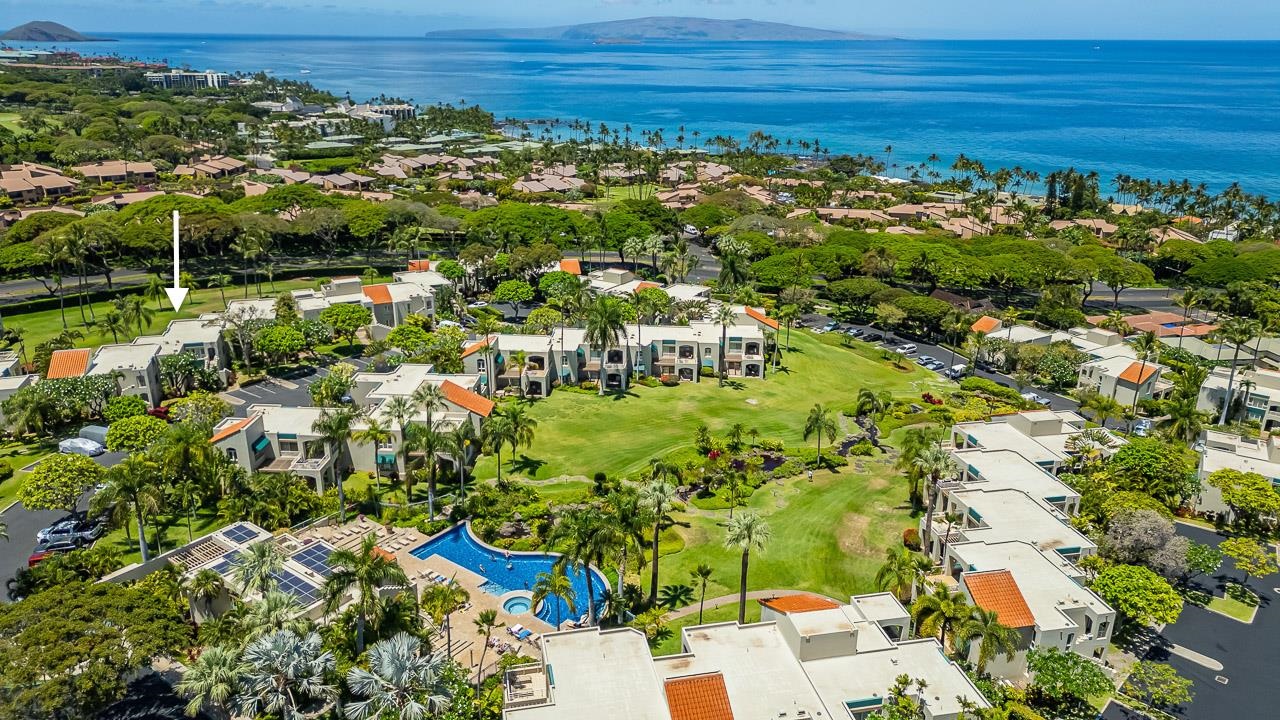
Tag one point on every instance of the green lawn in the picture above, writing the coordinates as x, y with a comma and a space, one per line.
1240, 605
46, 324
579, 434
10, 121
18, 455
724, 613
204, 522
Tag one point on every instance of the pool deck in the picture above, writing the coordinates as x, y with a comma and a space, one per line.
467, 641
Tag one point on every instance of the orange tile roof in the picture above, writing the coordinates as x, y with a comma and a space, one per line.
646, 285
698, 697
466, 399
1138, 373
230, 430
798, 603
571, 266
419, 265
997, 591
985, 324
758, 316
68, 363
475, 347
379, 294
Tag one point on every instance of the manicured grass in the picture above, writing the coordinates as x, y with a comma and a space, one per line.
10, 121
204, 522
724, 613
43, 325
631, 192
579, 434
18, 455
1239, 605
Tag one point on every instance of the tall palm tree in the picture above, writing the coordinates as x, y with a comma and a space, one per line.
375, 433
496, 433
212, 681
362, 573
203, 588
459, 442
282, 670
430, 399
555, 585
188, 460
333, 425
940, 611
255, 569
996, 638
746, 532
400, 410
585, 539
1147, 347
486, 622
725, 319
429, 441
487, 327
1236, 331
787, 315
275, 611
901, 572
934, 464
700, 576
401, 683
1188, 301
819, 423
113, 322
627, 517
657, 498
605, 325
440, 601
135, 483
872, 404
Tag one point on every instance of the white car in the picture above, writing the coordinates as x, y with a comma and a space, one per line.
81, 446
478, 304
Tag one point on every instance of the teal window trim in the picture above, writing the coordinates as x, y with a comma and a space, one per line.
261, 444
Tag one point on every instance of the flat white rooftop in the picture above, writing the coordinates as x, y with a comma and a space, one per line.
1049, 586
110, 358
1006, 469
1013, 515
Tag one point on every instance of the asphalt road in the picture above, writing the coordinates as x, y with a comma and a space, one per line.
1056, 401
23, 524
1249, 653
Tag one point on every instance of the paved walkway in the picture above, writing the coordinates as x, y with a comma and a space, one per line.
712, 603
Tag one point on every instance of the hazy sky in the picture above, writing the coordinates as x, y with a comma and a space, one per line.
1091, 19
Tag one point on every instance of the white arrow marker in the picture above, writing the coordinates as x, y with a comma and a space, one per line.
177, 295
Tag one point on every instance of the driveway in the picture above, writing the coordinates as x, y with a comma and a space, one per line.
293, 389
1249, 653
23, 524
1056, 401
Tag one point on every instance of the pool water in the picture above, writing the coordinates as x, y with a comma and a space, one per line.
519, 572
517, 605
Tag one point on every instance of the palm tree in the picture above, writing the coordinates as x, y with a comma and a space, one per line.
113, 322
725, 319
255, 568
486, 622
733, 271
440, 601
656, 498
555, 585
787, 315
275, 611
1183, 418
429, 398
746, 532
901, 572
872, 404
701, 575
627, 517
135, 483
375, 433
400, 410
819, 423
520, 427
496, 433
30, 412
333, 426
283, 669
996, 637
1188, 301
459, 443
1236, 331
934, 464
428, 441
936, 613
362, 572
605, 324
400, 684
585, 539
212, 681
204, 587
1147, 347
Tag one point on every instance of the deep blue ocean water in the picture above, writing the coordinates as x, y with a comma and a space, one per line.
1207, 111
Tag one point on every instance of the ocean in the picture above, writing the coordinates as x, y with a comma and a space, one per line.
1205, 111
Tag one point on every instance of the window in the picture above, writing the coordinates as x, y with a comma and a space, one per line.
232, 455
1102, 629
1071, 638
288, 446
481, 365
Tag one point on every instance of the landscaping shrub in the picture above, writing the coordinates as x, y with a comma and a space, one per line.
862, 448
992, 388
706, 372
648, 381
791, 468
6, 471
911, 539
123, 406
771, 444
670, 380
830, 459
589, 385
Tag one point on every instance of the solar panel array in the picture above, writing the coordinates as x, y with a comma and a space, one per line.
315, 557
227, 562
303, 590
240, 533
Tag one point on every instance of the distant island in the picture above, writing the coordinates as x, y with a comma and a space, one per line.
667, 29
48, 31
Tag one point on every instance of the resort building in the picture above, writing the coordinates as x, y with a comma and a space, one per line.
10, 365
412, 293
1124, 379
27, 183
117, 171
1008, 470
10, 384
1255, 392
1230, 451
991, 516
135, 367
184, 79
808, 658
216, 166
279, 439
200, 338
1041, 596
1039, 436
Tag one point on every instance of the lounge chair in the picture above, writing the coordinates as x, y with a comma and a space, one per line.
516, 629
524, 634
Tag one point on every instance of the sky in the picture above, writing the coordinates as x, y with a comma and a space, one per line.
978, 19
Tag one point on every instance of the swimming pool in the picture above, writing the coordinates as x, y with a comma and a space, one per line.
519, 572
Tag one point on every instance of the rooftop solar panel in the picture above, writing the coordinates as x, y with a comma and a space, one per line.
240, 532
315, 558
227, 563
303, 590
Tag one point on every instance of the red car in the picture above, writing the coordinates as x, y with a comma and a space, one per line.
44, 552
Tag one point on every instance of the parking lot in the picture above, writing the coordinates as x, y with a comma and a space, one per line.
945, 356
291, 389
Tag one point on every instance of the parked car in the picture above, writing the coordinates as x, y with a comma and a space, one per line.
1142, 428
73, 530
45, 551
830, 326
908, 349
478, 304
81, 446
955, 372
924, 359
937, 366
873, 337
1037, 399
